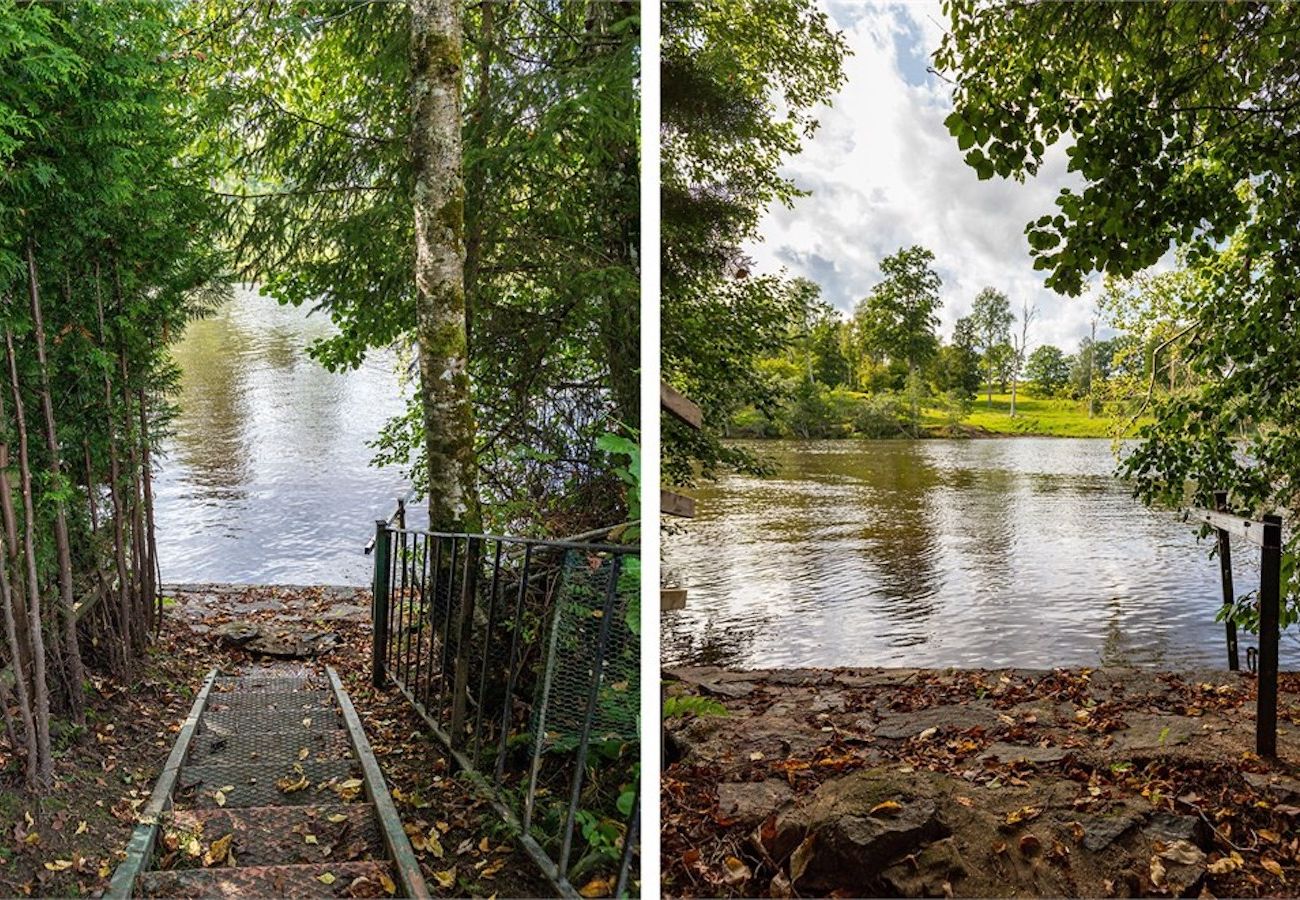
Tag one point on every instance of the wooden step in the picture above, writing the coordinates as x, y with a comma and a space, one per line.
340, 879
272, 835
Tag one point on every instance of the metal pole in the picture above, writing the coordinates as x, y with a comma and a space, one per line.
379, 606
1270, 588
1225, 575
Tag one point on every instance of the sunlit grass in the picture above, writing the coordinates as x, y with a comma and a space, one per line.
1034, 415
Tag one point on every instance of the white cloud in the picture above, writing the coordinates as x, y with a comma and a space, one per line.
884, 173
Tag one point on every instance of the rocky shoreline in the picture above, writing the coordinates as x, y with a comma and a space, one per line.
915, 782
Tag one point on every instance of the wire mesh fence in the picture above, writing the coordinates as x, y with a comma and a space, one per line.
523, 657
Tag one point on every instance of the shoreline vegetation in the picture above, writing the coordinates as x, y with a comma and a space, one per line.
851, 418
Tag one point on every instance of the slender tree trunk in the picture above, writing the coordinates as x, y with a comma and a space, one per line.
1092, 358
150, 543
439, 197
115, 492
41, 690
17, 632
76, 672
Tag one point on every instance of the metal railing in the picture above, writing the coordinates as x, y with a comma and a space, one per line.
522, 656
1267, 535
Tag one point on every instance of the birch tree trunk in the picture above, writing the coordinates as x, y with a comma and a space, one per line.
439, 208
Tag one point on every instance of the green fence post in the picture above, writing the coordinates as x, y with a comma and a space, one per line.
379, 608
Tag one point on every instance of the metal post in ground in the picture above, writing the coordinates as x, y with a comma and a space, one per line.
1270, 588
379, 605
1225, 574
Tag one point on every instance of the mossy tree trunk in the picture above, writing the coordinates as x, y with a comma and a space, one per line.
439, 207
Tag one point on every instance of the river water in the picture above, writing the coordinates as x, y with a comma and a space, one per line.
1007, 552
267, 477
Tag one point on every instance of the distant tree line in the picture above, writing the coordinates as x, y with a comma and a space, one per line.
878, 371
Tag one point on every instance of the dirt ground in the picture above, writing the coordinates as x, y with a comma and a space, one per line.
68, 841
891, 782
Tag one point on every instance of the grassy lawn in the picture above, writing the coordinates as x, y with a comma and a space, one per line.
1034, 415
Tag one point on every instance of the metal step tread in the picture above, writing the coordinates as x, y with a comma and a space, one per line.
283, 835
241, 701
255, 784
234, 721
336, 879
269, 747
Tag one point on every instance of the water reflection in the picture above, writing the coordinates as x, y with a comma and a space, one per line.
1022, 551
266, 477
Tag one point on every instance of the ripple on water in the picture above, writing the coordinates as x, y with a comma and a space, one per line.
1020, 551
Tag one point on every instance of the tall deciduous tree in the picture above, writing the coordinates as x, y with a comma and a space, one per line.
438, 200
897, 320
991, 320
322, 185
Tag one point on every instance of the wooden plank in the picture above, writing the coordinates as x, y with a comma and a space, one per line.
673, 504
139, 849
672, 598
674, 402
1234, 525
411, 880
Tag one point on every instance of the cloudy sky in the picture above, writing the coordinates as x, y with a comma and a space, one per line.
885, 174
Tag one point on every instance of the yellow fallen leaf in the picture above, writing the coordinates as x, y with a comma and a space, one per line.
326, 878
337, 817
1273, 867
219, 851
105, 870
434, 845
309, 838
306, 723
304, 753
59, 865
387, 883
220, 798
597, 887
484, 846
737, 873
445, 879
888, 808
288, 785
83, 827
193, 847
1227, 864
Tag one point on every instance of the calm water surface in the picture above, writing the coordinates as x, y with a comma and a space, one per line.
267, 477
1017, 551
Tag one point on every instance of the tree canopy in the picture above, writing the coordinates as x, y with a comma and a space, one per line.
1179, 120
740, 83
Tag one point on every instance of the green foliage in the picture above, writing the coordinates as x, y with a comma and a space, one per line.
1049, 370
1173, 114
740, 81
897, 320
680, 705
320, 190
